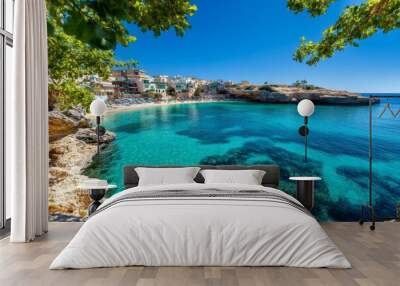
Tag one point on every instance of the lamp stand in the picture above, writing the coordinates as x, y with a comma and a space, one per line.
305, 138
98, 134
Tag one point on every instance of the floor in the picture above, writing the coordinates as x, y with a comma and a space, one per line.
375, 257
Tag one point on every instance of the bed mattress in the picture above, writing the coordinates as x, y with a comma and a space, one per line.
201, 225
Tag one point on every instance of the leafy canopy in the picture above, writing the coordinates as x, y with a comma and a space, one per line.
102, 23
71, 62
357, 22
83, 33
171, 91
71, 58
126, 65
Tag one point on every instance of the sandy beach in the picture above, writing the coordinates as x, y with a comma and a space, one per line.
114, 108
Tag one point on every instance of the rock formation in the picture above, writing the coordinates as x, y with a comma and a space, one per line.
89, 135
67, 122
68, 157
71, 149
293, 94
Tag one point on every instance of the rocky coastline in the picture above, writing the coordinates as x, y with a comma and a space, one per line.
294, 94
73, 141
72, 147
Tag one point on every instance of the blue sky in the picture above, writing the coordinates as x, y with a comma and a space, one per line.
254, 40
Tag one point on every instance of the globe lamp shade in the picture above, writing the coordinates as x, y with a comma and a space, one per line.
97, 107
305, 108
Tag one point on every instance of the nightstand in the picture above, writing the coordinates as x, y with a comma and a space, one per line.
96, 193
305, 190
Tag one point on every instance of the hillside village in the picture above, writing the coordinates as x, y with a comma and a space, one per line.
134, 86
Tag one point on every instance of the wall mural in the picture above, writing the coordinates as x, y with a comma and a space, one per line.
182, 119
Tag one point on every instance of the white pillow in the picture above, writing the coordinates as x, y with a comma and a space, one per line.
247, 177
166, 176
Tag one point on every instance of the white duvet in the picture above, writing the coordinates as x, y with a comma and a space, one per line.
200, 231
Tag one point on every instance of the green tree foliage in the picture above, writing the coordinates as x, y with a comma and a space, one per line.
155, 96
71, 62
102, 23
70, 95
266, 87
171, 91
83, 33
304, 84
357, 22
126, 65
300, 83
197, 92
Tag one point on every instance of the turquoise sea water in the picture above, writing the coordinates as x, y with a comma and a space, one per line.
255, 133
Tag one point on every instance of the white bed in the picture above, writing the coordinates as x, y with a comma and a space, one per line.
201, 231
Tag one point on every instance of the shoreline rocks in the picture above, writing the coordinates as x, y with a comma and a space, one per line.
89, 135
68, 157
63, 123
73, 141
71, 150
292, 94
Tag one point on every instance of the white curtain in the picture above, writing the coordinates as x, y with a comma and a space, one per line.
27, 148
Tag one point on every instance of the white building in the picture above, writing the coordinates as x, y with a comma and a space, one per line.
161, 78
101, 88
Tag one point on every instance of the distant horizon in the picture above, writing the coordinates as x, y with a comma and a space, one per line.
259, 83
255, 41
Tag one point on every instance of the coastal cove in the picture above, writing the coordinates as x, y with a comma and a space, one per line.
252, 133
